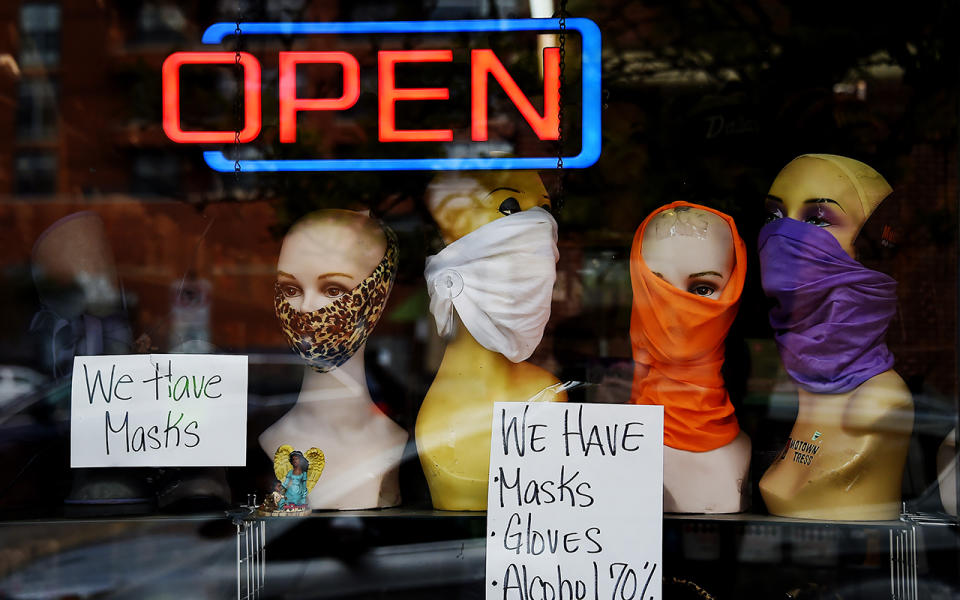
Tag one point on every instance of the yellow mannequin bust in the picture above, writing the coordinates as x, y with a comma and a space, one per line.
454, 424
850, 447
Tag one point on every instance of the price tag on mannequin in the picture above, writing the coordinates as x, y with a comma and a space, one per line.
575, 502
158, 410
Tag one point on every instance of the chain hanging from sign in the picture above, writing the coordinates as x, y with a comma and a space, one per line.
237, 96
563, 56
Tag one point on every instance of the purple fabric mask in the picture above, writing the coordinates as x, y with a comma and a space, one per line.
832, 313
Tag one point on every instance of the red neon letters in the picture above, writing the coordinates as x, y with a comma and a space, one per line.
290, 104
389, 94
483, 63
171, 97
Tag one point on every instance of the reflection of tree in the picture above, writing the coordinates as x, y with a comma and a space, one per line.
708, 99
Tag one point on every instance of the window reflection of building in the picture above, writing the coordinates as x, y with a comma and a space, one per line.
38, 94
37, 109
155, 174
267, 10
35, 172
376, 10
285, 10
160, 22
39, 34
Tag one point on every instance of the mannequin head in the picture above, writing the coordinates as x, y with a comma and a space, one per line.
461, 202
833, 192
691, 249
327, 254
73, 267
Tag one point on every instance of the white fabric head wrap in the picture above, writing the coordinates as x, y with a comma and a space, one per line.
499, 278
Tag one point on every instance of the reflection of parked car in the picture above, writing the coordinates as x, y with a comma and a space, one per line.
16, 381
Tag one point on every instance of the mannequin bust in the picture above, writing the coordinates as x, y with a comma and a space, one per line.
947, 473
84, 314
693, 250
74, 252
77, 282
454, 423
324, 257
846, 453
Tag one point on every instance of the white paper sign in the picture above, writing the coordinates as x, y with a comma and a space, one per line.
575, 502
158, 410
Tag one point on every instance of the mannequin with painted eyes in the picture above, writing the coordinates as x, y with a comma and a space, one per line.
334, 275
846, 452
490, 291
688, 266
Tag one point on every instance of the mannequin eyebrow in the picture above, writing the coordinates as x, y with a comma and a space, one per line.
705, 274
810, 201
500, 189
321, 276
823, 201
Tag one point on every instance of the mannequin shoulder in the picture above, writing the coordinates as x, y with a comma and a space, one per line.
883, 401
533, 382
886, 390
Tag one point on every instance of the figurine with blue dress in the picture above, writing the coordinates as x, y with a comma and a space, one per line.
297, 473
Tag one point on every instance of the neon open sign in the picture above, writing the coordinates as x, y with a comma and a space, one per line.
484, 67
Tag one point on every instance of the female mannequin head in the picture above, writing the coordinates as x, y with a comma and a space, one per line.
691, 249
833, 192
325, 255
461, 202
334, 275
687, 267
73, 267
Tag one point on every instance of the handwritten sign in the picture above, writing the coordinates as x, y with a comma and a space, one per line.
158, 410
575, 502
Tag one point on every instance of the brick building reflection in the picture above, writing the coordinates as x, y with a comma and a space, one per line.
81, 124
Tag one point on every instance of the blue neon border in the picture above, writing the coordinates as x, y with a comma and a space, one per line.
591, 92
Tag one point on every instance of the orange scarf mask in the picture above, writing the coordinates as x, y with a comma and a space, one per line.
680, 337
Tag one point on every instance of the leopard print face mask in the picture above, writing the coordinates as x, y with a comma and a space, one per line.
329, 336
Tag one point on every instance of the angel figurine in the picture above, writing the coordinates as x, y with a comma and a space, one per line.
296, 475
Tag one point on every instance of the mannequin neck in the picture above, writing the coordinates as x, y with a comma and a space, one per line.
336, 393
463, 352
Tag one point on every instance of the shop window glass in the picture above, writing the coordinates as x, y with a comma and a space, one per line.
118, 240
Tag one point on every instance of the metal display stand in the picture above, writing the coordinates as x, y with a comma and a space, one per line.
251, 551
